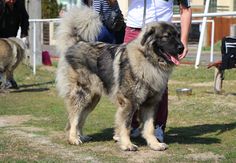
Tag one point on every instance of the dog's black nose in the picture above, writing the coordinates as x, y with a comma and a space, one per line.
180, 48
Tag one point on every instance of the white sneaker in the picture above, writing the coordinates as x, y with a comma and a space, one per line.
159, 133
135, 132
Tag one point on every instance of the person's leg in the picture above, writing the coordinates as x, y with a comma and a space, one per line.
106, 36
119, 36
131, 34
161, 116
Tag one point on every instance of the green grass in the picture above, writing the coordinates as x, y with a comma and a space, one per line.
201, 127
217, 47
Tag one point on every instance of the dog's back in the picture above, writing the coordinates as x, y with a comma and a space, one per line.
5, 54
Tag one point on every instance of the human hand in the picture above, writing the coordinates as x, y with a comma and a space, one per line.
184, 54
62, 13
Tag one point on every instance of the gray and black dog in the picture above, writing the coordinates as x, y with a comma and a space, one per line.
134, 75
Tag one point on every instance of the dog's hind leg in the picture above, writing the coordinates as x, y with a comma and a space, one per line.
85, 113
147, 116
10, 78
80, 103
123, 120
79, 110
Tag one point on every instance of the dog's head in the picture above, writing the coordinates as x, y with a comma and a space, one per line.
164, 40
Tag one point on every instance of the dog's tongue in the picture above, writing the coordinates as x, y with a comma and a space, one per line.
174, 60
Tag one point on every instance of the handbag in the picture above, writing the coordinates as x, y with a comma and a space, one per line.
115, 21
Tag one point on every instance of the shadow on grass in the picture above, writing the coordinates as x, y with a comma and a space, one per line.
30, 90
28, 87
195, 134
181, 135
36, 84
105, 135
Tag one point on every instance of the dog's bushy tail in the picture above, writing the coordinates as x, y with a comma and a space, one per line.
79, 23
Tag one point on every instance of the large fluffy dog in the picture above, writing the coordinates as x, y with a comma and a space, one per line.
134, 76
12, 52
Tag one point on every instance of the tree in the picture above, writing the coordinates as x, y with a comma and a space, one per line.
50, 9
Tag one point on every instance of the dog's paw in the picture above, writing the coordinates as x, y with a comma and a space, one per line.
116, 138
75, 141
79, 139
158, 146
129, 147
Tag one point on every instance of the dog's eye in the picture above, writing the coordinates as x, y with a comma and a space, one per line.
165, 36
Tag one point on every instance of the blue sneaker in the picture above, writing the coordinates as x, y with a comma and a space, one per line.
159, 133
135, 132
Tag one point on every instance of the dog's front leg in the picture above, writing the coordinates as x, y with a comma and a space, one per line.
123, 120
147, 115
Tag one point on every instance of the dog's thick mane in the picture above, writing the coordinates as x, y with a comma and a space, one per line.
142, 67
145, 70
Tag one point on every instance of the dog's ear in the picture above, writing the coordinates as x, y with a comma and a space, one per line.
147, 35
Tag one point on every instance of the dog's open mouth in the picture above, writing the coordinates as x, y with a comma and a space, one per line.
171, 58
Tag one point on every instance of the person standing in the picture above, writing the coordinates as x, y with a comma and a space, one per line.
104, 8
157, 10
12, 16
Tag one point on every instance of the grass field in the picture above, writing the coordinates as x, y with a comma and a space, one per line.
201, 127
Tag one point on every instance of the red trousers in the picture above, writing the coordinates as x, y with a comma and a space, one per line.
162, 108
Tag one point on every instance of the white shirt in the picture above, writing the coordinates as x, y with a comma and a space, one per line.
156, 10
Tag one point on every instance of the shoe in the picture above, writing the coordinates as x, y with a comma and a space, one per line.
135, 132
159, 133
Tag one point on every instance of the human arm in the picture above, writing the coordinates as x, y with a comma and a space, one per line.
24, 19
186, 18
2, 6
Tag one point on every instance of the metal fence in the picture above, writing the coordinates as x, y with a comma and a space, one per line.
33, 22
